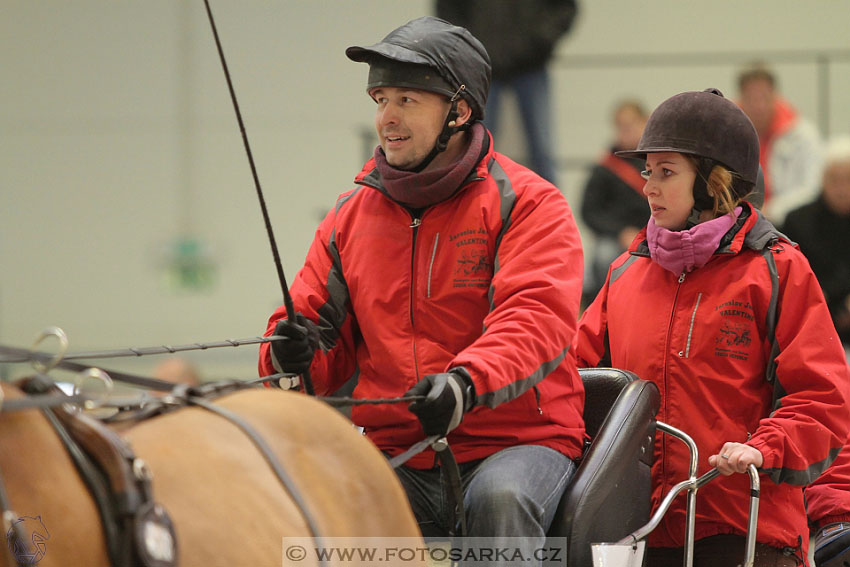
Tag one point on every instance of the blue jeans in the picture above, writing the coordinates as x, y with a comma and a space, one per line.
535, 106
512, 494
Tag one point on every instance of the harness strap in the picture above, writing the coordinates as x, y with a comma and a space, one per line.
273, 462
454, 492
120, 484
98, 488
448, 466
414, 450
44, 395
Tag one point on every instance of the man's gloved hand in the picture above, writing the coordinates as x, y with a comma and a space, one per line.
295, 353
448, 396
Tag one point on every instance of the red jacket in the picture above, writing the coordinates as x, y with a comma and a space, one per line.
488, 280
703, 338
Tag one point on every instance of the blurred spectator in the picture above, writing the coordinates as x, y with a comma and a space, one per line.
614, 206
822, 229
791, 149
520, 38
177, 370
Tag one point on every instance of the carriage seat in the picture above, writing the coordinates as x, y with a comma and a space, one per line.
609, 496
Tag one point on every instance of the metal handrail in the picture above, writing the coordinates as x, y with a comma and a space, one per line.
692, 484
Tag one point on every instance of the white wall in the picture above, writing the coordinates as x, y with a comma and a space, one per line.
117, 135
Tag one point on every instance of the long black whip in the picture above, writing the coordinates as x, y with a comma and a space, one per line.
287, 298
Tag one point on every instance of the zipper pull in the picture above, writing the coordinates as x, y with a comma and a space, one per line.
416, 222
682, 277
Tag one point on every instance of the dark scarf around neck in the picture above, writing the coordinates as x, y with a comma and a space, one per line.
429, 187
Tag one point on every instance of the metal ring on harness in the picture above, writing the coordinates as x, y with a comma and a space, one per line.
93, 373
63, 348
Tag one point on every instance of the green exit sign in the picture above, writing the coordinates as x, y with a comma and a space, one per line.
189, 265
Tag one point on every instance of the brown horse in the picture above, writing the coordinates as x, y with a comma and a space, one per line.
228, 507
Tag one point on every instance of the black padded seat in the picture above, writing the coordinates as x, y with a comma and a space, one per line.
609, 496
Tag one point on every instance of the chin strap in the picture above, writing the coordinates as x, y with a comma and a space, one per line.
702, 200
449, 130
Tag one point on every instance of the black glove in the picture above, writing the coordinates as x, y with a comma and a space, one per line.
295, 353
448, 396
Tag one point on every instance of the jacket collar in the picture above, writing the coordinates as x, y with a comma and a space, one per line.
752, 230
370, 176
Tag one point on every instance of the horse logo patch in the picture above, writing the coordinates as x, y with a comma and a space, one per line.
735, 335
34, 545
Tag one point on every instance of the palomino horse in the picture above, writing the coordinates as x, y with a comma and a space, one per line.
227, 506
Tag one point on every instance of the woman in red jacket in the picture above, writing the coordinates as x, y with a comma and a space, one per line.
725, 315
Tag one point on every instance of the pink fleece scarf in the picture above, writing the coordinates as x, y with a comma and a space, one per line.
429, 187
685, 250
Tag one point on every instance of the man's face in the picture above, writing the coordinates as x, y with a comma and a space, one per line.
408, 122
836, 187
758, 100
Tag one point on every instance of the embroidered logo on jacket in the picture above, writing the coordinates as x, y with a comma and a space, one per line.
473, 266
735, 335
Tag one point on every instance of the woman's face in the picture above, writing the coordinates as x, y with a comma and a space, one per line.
669, 188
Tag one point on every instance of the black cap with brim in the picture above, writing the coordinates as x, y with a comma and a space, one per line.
454, 55
388, 73
388, 51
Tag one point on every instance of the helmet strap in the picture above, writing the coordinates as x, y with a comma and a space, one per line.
449, 130
702, 200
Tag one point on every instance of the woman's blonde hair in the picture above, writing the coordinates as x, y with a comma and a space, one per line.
719, 187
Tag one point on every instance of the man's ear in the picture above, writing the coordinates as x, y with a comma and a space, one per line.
464, 112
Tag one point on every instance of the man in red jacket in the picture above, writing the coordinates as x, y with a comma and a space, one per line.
790, 147
454, 273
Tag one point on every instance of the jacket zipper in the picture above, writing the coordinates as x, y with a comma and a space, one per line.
537, 395
666, 356
414, 225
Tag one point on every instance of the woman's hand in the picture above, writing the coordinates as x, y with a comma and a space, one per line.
735, 458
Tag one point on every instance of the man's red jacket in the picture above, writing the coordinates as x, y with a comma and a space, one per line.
488, 280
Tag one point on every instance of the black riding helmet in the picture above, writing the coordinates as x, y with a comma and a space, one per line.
710, 127
432, 55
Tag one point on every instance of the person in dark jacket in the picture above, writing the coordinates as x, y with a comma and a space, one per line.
822, 230
614, 206
452, 273
520, 38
